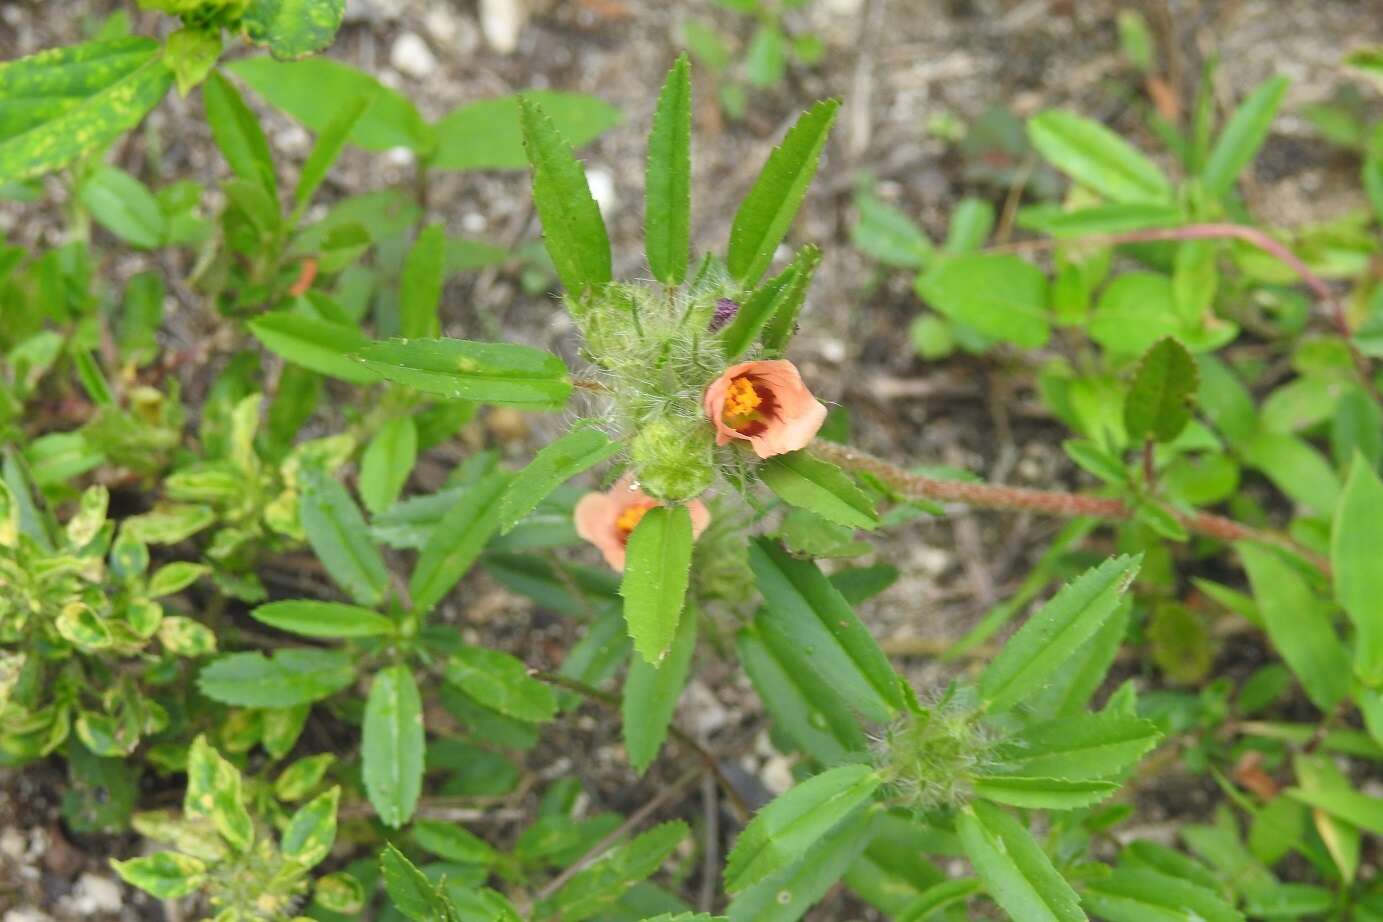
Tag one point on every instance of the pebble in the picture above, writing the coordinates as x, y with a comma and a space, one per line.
931, 560
832, 350
453, 33
373, 10
411, 56
777, 774
473, 222
704, 713
602, 185
94, 894
26, 914
501, 21
401, 157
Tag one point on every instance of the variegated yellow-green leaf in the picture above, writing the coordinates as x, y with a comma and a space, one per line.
185, 637
340, 892
83, 628
166, 875
302, 776
90, 516
293, 28
312, 830
214, 792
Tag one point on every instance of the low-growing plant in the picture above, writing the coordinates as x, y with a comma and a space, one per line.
251, 593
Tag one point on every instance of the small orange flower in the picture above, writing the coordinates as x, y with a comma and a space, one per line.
766, 404
608, 519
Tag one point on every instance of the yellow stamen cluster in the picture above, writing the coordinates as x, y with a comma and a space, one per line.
741, 400
629, 519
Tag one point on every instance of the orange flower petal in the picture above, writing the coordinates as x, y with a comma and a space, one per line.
794, 420
597, 514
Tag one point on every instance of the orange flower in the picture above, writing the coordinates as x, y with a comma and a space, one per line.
607, 519
766, 404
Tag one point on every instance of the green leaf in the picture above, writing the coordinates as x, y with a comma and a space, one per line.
819, 486
237, 133
312, 830
323, 619
1296, 468
392, 745
124, 206
651, 693
1288, 901
781, 323
572, 226
214, 792
387, 462
782, 832
457, 541
289, 678
1042, 793
459, 369
595, 888
806, 711
1048, 639
1159, 401
1355, 542
767, 212
789, 894
165, 875
501, 683
1013, 867
314, 344
1079, 748
293, 28
452, 842
999, 294
1133, 894
1344, 803
420, 291
1096, 157
411, 892
313, 91
887, 234
191, 53
339, 892
580, 449
1242, 136
656, 572
761, 304
86, 97
297, 780
340, 539
175, 577
821, 634
331, 140
1298, 624
667, 185
487, 135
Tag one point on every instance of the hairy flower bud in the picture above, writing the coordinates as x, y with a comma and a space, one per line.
672, 459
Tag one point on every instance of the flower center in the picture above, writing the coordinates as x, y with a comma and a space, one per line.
743, 404
630, 518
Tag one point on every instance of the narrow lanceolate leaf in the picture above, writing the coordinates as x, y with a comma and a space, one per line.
1016, 872
287, 679
1096, 157
501, 683
311, 618
387, 462
237, 133
1243, 135
420, 288
596, 888
1042, 793
457, 541
1356, 542
459, 369
1043, 645
98, 92
1077, 748
788, 895
412, 894
338, 535
819, 486
821, 634
656, 572
770, 312
1158, 405
784, 830
1133, 894
330, 143
782, 324
557, 462
1299, 625
572, 226
293, 28
651, 693
317, 345
392, 745
766, 214
667, 195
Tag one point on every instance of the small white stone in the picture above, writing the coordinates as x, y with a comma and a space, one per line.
783, 253
501, 21
705, 715
440, 23
833, 351
411, 56
27, 914
844, 7
602, 189
777, 775
399, 157
12, 843
94, 894
473, 222
932, 560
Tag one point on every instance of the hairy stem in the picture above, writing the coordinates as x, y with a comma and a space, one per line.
1050, 502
